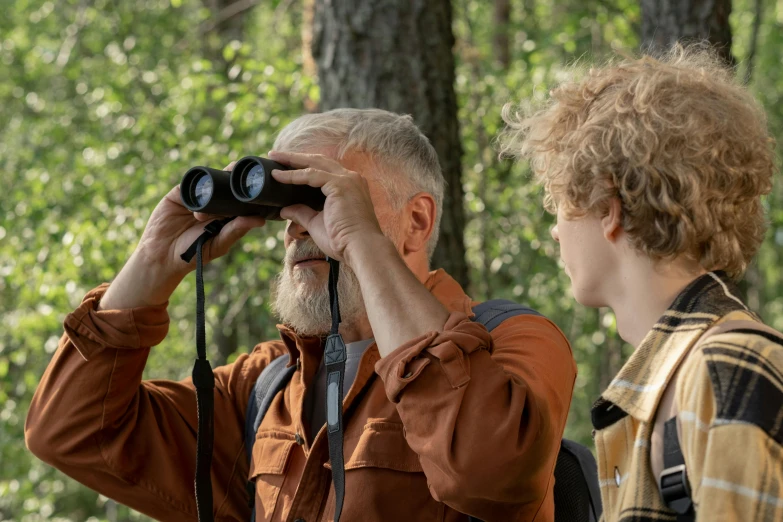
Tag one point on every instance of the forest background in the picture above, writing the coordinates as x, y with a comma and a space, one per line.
104, 105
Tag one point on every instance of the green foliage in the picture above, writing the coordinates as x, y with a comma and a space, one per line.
509, 247
104, 105
102, 109
510, 250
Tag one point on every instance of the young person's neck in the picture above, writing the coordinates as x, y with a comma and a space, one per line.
645, 291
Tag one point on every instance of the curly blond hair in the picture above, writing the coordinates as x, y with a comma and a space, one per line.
677, 139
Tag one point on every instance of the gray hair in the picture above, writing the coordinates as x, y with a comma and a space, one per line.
392, 141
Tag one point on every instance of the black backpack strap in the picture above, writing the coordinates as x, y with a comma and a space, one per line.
571, 484
493, 312
674, 485
272, 380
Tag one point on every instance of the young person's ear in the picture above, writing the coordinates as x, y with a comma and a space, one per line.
421, 221
611, 223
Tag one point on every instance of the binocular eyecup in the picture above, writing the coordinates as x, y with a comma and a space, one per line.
248, 190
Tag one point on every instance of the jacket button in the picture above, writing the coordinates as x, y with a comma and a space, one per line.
300, 441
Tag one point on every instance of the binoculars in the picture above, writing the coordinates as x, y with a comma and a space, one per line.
248, 190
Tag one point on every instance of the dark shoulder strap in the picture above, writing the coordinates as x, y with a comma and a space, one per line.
493, 312
589, 473
273, 378
673, 482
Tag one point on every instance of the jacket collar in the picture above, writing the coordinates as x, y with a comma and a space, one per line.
638, 387
445, 289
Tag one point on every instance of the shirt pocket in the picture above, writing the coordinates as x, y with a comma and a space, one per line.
384, 479
271, 452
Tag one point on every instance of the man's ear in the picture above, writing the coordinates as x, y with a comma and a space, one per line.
611, 223
421, 212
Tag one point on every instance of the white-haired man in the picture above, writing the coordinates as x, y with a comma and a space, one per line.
442, 419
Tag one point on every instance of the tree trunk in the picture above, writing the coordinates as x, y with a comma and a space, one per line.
397, 55
500, 39
665, 22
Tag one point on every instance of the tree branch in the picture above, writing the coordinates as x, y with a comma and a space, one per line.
754, 39
227, 13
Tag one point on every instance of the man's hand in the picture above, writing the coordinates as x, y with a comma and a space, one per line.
348, 218
155, 269
399, 307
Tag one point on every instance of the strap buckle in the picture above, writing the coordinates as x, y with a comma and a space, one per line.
675, 490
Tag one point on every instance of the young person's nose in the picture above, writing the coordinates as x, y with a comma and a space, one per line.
555, 234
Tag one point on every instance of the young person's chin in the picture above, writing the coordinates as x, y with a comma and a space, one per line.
586, 298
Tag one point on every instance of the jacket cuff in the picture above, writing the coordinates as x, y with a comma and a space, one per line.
448, 349
90, 330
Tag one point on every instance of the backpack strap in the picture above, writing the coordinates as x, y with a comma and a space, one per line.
276, 375
588, 469
673, 483
493, 312
272, 380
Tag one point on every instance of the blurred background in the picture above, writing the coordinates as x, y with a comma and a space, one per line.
104, 105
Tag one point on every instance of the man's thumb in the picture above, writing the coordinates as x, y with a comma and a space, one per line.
300, 214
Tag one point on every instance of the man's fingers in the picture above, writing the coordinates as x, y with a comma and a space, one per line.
202, 216
173, 196
300, 214
232, 232
301, 160
248, 222
308, 176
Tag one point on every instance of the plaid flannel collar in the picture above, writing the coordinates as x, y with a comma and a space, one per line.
638, 388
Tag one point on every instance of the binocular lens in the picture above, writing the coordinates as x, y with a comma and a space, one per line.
203, 189
253, 181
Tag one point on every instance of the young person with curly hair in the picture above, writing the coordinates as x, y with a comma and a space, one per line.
655, 168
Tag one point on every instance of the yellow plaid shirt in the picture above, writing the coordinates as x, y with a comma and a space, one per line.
730, 402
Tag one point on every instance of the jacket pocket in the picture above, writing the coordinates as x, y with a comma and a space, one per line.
382, 445
380, 471
267, 469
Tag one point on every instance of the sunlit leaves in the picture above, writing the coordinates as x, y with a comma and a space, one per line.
102, 109
103, 106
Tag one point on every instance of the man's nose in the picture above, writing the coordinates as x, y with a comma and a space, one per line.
296, 231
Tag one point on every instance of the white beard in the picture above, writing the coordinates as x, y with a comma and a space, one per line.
301, 296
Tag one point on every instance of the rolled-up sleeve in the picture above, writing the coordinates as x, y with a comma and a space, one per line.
90, 329
95, 419
484, 412
449, 349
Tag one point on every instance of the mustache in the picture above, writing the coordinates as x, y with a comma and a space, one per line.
302, 249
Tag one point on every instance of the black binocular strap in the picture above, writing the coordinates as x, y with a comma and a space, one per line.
334, 359
204, 381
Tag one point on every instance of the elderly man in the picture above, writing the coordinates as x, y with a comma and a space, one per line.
442, 419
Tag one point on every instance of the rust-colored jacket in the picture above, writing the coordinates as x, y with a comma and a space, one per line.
452, 422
